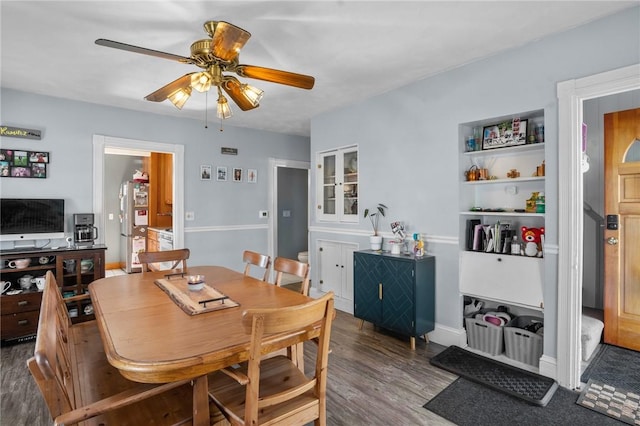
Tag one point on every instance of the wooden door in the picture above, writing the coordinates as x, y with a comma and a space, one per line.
622, 246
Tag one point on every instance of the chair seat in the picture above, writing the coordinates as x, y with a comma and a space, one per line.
278, 374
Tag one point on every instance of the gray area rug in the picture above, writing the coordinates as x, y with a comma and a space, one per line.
470, 404
616, 367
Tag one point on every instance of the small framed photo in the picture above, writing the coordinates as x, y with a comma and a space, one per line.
221, 174
237, 175
38, 157
508, 133
252, 175
205, 172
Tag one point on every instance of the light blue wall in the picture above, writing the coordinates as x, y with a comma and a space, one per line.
408, 141
67, 131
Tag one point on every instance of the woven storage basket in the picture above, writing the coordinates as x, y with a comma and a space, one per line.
520, 344
485, 336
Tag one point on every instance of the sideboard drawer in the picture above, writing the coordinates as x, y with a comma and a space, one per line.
24, 302
19, 324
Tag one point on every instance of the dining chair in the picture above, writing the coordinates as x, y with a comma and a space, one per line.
283, 266
152, 260
259, 260
274, 390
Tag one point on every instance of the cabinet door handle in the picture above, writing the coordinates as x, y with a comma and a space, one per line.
499, 259
23, 322
22, 303
380, 291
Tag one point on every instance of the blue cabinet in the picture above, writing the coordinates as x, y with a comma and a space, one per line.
396, 292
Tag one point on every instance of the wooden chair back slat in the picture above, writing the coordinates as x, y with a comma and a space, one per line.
259, 260
283, 266
150, 260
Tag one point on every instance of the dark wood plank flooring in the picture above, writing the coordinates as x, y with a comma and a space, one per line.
374, 379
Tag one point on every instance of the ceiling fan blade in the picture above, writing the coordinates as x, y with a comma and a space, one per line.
227, 40
162, 93
232, 87
142, 50
276, 76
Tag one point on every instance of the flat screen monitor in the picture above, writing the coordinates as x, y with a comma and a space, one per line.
24, 219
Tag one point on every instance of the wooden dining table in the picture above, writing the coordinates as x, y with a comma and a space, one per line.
150, 339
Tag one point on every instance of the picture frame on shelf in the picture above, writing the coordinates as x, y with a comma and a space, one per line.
505, 134
237, 174
252, 176
221, 173
205, 172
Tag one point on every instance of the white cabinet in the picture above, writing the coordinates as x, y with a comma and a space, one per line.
496, 197
337, 185
335, 271
514, 280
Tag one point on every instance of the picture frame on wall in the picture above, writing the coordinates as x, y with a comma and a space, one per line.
252, 175
505, 134
237, 174
205, 172
221, 174
23, 164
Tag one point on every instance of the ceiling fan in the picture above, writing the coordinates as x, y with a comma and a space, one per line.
217, 55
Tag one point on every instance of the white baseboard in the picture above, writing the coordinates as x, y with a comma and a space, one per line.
548, 367
448, 336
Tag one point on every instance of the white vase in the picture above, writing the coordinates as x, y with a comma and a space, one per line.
376, 242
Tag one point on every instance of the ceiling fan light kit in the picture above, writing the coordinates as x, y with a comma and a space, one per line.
224, 110
216, 55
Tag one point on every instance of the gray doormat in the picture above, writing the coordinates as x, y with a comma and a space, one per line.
530, 387
618, 403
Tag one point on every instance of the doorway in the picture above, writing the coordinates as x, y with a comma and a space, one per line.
571, 95
101, 144
289, 201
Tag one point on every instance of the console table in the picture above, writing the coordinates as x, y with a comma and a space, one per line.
74, 269
395, 292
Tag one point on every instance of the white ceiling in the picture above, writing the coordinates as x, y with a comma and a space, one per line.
354, 49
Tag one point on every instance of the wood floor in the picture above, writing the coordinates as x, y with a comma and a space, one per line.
374, 379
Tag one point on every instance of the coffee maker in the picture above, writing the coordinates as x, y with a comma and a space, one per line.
84, 232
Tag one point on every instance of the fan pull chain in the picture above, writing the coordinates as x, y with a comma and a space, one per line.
206, 109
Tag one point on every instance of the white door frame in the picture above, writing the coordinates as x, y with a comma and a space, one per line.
100, 142
274, 163
571, 95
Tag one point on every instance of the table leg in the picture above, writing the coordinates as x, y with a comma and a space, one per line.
201, 401
413, 343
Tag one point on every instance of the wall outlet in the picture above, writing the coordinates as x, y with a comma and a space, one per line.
263, 214
189, 216
110, 216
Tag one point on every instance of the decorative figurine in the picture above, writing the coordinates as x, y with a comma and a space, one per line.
533, 241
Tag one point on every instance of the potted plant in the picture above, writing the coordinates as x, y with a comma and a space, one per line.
375, 240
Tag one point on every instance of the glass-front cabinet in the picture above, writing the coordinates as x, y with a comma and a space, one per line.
338, 185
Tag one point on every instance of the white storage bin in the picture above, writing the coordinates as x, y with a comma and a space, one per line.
523, 345
485, 336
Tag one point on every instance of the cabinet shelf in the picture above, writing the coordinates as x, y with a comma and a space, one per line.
503, 181
20, 312
505, 213
512, 150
